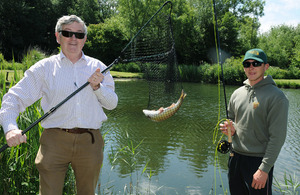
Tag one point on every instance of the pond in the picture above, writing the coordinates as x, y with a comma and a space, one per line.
177, 156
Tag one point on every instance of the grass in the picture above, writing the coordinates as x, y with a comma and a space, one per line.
288, 83
117, 74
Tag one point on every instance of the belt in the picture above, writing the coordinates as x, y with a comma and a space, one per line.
79, 131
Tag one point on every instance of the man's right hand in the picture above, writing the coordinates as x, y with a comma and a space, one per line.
15, 137
224, 128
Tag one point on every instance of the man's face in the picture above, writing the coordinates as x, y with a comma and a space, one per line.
71, 46
255, 74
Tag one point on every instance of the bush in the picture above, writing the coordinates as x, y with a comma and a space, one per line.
101, 37
128, 67
293, 73
191, 73
1, 58
276, 72
234, 71
32, 57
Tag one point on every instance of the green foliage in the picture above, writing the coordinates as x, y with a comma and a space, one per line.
2, 58
229, 30
248, 34
2, 78
278, 45
4, 65
191, 73
295, 58
88, 10
26, 24
276, 72
188, 35
32, 57
105, 40
288, 83
17, 172
290, 186
233, 71
129, 67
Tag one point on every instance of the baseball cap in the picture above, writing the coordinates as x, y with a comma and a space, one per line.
256, 54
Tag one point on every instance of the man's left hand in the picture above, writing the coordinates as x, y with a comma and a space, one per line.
96, 78
259, 179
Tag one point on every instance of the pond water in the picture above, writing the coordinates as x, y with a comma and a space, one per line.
177, 156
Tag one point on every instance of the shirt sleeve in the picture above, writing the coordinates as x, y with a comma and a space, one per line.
277, 120
19, 97
106, 93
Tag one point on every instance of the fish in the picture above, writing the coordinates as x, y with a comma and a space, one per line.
164, 113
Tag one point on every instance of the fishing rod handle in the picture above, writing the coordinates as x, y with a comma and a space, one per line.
229, 137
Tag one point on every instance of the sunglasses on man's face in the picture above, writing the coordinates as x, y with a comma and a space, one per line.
78, 35
254, 64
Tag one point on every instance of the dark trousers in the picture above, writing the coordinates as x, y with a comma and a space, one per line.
240, 175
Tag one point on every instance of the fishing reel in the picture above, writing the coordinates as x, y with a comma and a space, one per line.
223, 146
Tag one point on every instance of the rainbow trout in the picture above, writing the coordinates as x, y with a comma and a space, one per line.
165, 113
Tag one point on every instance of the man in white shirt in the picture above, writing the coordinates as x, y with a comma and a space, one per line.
71, 134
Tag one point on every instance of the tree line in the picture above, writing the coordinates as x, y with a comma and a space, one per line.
111, 24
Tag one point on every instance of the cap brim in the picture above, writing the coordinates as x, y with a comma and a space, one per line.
254, 58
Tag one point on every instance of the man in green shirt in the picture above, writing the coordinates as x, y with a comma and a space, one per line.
258, 113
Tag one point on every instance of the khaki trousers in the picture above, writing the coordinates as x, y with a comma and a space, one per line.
58, 149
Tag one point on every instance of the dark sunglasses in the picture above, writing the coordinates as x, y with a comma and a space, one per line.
78, 35
254, 64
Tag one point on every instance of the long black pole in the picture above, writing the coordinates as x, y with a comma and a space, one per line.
4, 147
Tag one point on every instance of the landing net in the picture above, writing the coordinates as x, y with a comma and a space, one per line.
153, 49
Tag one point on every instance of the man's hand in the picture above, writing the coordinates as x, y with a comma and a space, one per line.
259, 179
96, 78
15, 137
224, 128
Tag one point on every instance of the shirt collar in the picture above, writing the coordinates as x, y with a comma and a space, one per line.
62, 56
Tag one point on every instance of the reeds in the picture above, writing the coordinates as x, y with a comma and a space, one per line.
291, 185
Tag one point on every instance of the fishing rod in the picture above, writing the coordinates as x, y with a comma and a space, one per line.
4, 147
223, 146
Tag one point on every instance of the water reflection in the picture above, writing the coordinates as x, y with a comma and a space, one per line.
178, 152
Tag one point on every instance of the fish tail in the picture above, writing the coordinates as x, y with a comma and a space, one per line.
183, 94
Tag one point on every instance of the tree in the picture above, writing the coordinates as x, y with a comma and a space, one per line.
25, 24
278, 43
295, 61
87, 10
105, 40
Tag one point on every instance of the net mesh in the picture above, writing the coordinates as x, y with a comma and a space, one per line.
153, 49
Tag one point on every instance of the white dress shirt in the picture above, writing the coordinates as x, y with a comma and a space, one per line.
53, 79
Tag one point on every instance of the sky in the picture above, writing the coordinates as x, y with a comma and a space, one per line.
279, 12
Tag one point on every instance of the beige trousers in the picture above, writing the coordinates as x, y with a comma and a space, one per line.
58, 149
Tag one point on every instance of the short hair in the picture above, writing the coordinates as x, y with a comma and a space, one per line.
69, 20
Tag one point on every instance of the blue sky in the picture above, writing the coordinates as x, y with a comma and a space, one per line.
280, 12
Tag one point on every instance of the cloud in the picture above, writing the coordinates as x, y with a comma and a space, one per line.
279, 12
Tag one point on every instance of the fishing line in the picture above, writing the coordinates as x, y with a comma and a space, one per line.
222, 146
